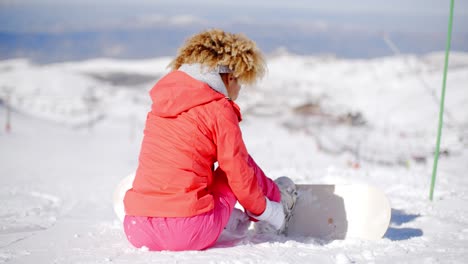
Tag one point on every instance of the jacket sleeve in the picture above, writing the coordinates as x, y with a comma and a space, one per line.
235, 161
268, 186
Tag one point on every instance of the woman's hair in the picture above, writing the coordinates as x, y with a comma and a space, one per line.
213, 48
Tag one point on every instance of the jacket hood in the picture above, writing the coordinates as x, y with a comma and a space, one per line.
177, 92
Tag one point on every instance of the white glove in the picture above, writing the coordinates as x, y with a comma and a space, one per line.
273, 214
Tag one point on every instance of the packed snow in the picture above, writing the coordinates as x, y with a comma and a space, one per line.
75, 130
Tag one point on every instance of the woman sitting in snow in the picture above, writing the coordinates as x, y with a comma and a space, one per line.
179, 200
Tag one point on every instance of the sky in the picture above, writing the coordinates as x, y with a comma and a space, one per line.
65, 15
348, 6
56, 30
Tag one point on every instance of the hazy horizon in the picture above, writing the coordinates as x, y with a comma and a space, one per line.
53, 30
74, 15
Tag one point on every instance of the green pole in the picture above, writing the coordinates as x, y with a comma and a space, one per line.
442, 100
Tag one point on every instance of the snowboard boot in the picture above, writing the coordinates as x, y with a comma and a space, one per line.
288, 200
238, 222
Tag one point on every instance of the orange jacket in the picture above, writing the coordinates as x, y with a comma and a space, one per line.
189, 128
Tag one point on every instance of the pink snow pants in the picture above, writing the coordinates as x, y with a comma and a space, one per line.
197, 232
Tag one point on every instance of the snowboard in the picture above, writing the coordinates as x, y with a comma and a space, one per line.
327, 212
331, 212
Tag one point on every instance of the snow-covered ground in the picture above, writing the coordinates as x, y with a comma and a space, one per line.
76, 129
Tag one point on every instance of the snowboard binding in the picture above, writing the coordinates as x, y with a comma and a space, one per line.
288, 200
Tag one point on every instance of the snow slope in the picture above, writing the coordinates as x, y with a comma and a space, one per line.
76, 129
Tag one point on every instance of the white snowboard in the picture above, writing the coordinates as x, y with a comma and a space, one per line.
339, 212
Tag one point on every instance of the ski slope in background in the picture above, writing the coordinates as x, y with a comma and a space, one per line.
76, 129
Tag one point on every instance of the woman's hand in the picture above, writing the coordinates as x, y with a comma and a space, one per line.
273, 214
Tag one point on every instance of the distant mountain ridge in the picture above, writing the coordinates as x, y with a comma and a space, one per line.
156, 41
